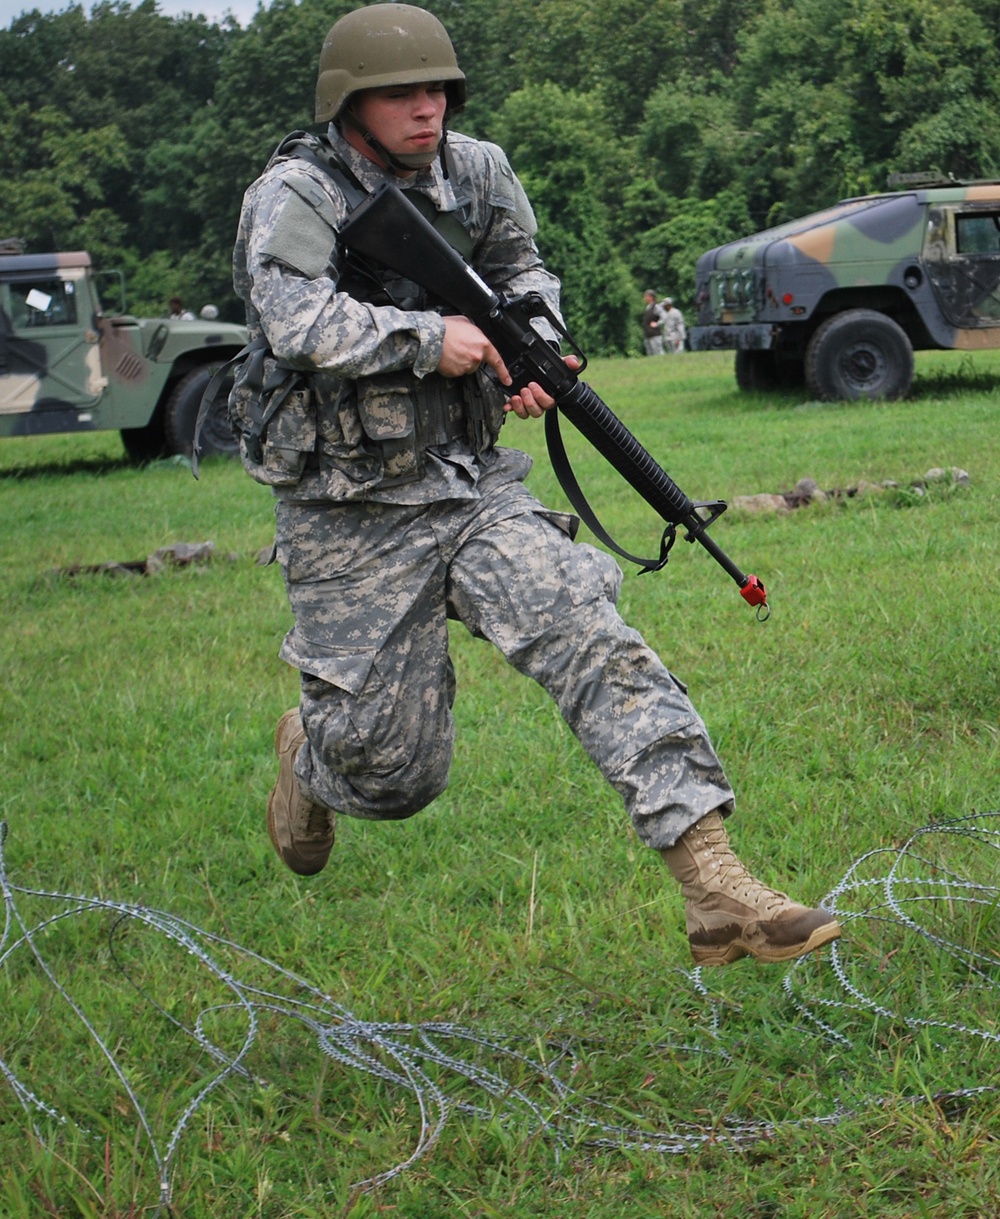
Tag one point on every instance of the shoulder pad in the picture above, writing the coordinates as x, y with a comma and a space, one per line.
307, 188
302, 230
506, 190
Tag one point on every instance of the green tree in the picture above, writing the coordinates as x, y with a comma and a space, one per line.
691, 136
835, 96
619, 49
668, 234
645, 131
794, 88
265, 89
934, 67
566, 164
85, 108
60, 179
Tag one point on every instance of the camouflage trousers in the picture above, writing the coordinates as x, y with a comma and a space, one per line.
371, 587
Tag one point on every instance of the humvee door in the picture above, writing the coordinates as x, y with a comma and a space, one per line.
962, 256
49, 360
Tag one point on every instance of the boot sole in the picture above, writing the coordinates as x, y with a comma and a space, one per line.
736, 949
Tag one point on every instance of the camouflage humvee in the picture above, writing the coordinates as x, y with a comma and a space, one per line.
67, 366
842, 298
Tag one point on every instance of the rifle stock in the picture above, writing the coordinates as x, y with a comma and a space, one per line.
388, 229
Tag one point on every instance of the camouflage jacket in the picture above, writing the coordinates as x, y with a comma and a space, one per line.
350, 427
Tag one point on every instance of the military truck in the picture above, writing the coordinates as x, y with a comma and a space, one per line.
841, 299
66, 365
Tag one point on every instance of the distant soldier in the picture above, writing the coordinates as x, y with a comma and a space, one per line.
366, 408
674, 327
177, 311
652, 324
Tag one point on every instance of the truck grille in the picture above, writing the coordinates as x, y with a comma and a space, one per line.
733, 289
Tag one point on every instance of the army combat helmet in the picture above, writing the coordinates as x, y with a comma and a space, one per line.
380, 45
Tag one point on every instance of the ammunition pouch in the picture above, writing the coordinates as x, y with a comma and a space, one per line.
272, 410
402, 418
357, 435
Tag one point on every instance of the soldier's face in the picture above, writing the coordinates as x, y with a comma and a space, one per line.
403, 118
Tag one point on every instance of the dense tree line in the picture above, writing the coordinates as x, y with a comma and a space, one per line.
645, 131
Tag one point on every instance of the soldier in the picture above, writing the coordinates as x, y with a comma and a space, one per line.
370, 415
177, 311
652, 324
674, 327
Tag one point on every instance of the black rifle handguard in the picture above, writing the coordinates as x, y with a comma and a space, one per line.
389, 230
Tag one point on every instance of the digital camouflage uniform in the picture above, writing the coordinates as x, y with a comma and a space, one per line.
674, 329
388, 524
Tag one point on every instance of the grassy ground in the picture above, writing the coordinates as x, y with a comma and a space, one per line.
136, 758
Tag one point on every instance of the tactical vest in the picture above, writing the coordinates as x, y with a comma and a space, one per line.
279, 412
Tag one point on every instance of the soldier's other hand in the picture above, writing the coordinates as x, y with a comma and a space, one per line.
465, 348
532, 402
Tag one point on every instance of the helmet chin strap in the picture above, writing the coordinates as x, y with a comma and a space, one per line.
402, 162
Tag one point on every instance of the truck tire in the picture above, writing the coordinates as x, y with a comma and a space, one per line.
756, 371
763, 372
145, 444
181, 414
860, 353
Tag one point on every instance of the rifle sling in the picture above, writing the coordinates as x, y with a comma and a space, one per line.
571, 488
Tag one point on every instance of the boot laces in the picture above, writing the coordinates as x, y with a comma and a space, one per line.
733, 875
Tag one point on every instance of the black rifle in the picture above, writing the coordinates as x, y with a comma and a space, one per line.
388, 229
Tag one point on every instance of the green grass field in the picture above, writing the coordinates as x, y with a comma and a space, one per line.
137, 757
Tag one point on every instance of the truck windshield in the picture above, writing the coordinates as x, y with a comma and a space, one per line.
43, 302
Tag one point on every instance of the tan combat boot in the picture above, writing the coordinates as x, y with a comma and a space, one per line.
301, 831
732, 915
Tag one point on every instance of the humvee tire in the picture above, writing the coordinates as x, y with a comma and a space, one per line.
764, 371
756, 371
145, 444
860, 353
181, 412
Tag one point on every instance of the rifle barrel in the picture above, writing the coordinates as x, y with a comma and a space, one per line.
591, 416
595, 420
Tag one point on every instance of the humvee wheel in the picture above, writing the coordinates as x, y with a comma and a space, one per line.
763, 371
756, 371
181, 414
145, 444
859, 354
